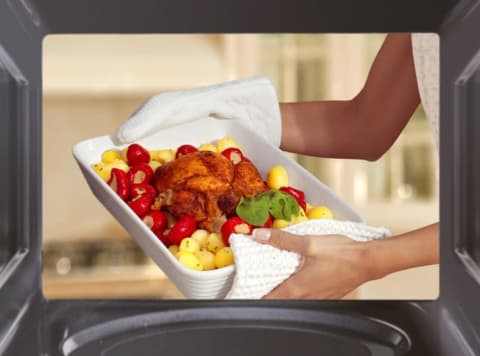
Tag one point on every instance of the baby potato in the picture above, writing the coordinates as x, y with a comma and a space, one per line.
214, 242
120, 165
277, 177
110, 156
208, 147
206, 258
280, 223
154, 155
299, 218
104, 169
201, 236
154, 165
320, 212
189, 260
190, 245
224, 257
163, 156
226, 142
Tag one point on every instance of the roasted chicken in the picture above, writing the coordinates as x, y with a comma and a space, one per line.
207, 186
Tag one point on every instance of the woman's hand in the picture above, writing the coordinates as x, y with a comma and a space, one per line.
334, 265
331, 266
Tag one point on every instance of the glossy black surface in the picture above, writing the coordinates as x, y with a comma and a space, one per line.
381, 328
237, 331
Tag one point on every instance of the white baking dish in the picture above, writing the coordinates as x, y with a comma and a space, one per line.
201, 284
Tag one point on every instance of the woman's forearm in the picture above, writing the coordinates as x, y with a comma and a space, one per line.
365, 126
413, 249
324, 128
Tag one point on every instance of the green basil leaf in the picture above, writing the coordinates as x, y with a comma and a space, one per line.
291, 208
277, 207
253, 210
256, 210
283, 206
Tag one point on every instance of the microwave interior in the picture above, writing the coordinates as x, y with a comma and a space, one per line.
31, 323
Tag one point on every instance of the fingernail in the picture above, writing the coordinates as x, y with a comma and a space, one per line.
262, 234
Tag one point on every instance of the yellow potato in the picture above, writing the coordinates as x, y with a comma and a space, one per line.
120, 165
280, 223
110, 156
104, 169
224, 257
277, 177
201, 236
299, 218
319, 212
163, 156
206, 258
189, 260
154, 165
190, 245
226, 142
214, 242
154, 155
208, 147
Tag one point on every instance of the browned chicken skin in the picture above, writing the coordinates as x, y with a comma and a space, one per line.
207, 186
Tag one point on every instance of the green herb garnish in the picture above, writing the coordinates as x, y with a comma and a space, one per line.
256, 210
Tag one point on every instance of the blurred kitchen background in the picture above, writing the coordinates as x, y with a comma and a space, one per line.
92, 83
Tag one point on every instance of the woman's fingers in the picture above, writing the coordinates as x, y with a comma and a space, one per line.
281, 239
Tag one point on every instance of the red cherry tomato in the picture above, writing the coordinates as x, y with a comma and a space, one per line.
140, 173
269, 222
303, 205
155, 220
163, 236
119, 183
183, 228
137, 154
297, 194
233, 154
185, 150
140, 189
235, 225
141, 204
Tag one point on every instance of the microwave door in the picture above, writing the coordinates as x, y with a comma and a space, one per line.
459, 178
20, 183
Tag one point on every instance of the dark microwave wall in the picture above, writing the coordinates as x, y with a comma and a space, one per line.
7, 240
219, 16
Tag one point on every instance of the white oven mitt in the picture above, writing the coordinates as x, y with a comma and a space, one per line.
253, 101
259, 268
